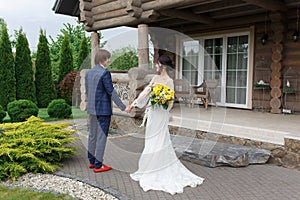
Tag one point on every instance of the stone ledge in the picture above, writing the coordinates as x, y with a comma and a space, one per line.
213, 154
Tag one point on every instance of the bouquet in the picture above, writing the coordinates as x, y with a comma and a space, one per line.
161, 95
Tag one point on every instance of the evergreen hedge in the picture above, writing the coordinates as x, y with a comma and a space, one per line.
7, 69
83, 53
20, 110
45, 89
25, 87
59, 108
65, 59
2, 114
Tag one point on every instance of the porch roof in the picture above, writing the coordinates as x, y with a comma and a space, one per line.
186, 16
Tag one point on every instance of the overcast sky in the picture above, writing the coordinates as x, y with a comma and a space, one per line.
32, 15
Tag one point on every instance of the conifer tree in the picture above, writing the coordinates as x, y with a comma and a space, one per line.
25, 87
45, 90
83, 52
7, 69
66, 59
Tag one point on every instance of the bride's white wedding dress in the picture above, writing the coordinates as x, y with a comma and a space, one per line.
159, 168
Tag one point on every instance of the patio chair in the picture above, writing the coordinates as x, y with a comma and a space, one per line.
201, 92
183, 91
205, 92
212, 86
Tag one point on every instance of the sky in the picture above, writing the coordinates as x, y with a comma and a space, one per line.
33, 15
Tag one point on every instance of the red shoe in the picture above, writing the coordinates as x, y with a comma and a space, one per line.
104, 168
91, 166
109, 167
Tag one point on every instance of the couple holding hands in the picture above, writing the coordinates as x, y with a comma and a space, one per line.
159, 168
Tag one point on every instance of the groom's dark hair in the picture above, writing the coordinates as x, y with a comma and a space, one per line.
101, 56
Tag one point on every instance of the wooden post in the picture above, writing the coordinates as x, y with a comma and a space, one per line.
94, 45
278, 27
143, 46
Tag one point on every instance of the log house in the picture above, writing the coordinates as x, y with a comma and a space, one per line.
252, 44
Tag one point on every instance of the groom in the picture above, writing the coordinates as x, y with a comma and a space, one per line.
100, 94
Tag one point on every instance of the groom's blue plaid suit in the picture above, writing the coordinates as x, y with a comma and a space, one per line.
100, 94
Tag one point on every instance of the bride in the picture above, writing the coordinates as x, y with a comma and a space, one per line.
159, 168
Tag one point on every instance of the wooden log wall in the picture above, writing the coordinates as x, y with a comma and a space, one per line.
291, 64
274, 63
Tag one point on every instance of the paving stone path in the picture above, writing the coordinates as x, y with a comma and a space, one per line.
253, 182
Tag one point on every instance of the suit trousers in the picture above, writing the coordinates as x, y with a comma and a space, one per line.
98, 131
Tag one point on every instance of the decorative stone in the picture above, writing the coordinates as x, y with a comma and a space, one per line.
213, 154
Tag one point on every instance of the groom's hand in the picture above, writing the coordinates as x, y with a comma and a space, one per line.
128, 109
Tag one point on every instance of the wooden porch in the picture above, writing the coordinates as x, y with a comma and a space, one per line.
247, 124
252, 125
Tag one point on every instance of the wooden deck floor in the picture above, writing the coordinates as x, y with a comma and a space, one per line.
255, 125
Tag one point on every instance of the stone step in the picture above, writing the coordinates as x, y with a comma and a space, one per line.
213, 154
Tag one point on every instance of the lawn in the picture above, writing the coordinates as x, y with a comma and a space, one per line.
76, 114
22, 194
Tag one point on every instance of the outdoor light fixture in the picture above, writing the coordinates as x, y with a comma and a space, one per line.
295, 35
265, 37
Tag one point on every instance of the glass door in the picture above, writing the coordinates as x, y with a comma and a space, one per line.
213, 56
224, 58
237, 70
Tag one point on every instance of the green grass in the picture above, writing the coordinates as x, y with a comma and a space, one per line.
25, 194
76, 114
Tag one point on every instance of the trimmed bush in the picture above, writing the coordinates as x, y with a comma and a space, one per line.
2, 114
59, 108
20, 110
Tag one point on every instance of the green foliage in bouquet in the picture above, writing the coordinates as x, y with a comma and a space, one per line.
33, 146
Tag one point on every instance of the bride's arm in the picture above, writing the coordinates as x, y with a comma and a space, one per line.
143, 97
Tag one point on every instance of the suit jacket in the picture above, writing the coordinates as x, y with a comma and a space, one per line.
100, 92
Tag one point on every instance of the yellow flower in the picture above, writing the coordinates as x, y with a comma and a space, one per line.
172, 93
168, 97
161, 95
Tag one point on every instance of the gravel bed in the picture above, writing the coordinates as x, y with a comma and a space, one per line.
59, 185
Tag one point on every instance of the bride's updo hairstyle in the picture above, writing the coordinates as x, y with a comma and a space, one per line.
165, 62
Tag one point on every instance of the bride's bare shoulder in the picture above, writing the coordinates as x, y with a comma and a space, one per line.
155, 77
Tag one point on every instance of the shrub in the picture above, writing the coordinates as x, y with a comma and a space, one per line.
20, 110
66, 87
2, 114
33, 146
59, 108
